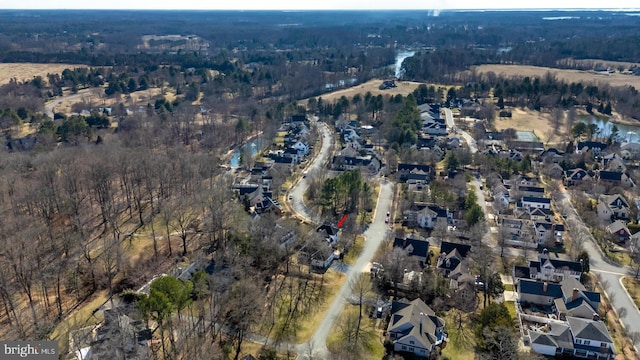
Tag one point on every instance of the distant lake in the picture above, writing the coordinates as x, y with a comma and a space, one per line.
253, 145
626, 133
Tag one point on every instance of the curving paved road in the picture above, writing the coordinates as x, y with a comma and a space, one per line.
608, 273
296, 195
374, 236
471, 142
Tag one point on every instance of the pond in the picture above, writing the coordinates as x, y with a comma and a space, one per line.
626, 133
253, 146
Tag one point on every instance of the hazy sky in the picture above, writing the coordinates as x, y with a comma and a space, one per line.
307, 4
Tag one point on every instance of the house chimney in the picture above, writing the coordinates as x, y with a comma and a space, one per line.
421, 316
544, 287
596, 317
575, 294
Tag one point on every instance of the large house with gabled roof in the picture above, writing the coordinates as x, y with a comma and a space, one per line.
548, 269
612, 207
414, 328
416, 248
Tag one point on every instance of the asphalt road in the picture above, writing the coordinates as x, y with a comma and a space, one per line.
609, 274
374, 236
296, 195
471, 142
48, 108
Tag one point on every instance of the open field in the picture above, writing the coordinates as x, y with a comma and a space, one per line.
404, 88
616, 79
27, 71
537, 122
95, 97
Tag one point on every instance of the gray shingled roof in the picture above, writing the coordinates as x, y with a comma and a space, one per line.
589, 329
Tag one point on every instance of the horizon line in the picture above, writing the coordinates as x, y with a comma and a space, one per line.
363, 10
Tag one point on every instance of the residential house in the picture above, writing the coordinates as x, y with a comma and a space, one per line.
452, 260
593, 146
567, 298
591, 339
500, 193
576, 177
414, 328
301, 147
369, 163
633, 149
548, 269
539, 214
319, 256
578, 331
405, 169
552, 155
536, 202
331, 233
119, 337
548, 232
513, 227
416, 248
580, 338
519, 191
576, 301
614, 178
613, 162
434, 128
427, 215
556, 339
555, 171
619, 231
537, 292
612, 207
417, 181
298, 119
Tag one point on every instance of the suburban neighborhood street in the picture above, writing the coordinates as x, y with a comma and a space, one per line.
374, 236
296, 195
471, 142
610, 275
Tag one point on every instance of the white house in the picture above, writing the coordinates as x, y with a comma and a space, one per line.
302, 148
536, 202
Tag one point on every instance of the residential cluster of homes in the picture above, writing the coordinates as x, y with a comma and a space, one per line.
526, 219
254, 189
357, 152
413, 326
434, 132
556, 313
295, 146
613, 210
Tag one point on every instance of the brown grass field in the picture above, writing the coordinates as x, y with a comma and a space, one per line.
27, 71
404, 88
528, 120
616, 79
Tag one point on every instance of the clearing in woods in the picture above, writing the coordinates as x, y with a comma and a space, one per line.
27, 71
403, 87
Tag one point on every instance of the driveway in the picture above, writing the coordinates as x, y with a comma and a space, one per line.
610, 274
